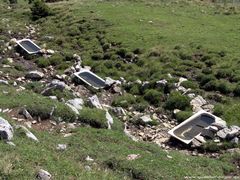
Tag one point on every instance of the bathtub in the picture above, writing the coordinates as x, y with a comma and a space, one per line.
193, 126
28, 46
91, 79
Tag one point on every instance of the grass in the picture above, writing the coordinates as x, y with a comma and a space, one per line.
109, 150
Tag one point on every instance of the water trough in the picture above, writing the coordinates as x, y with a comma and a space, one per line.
193, 126
29, 46
91, 79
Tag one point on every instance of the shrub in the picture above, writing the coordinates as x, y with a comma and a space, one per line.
43, 62
203, 79
39, 10
97, 119
210, 86
189, 84
236, 90
124, 101
218, 110
55, 59
154, 97
224, 87
13, 1
224, 73
183, 115
177, 101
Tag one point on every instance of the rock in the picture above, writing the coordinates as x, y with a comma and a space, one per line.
43, 175
6, 130
77, 103
196, 143
220, 124
127, 133
223, 133
77, 57
197, 103
87, 168
10, 60
61, 147
34, 75
208, 107
27, 132
181, 79
116, 89
200, 139
26, 114
109, 81
4, 82
94, 101
89, 159
60, 85
235, 140
169, 157
162, 83
74, 109
213, 129
119, 111
146, 118
53, 97
175, 111
11, 143
50, 51
132, 157
109, 119
234, 131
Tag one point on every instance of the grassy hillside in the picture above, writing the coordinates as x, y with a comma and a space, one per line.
134, 39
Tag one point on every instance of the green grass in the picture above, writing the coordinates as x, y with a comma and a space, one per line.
106, 147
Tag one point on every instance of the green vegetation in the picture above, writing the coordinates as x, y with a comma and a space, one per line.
177, 101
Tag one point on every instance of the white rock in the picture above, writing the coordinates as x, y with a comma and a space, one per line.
43, 175
27, 132
146, 118
89, 158
95, 102
75, 110
77, 103
34, 75
61, 147
6, 130
132, 157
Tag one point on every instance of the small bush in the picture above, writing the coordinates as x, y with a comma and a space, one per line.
124, 101
183, 115
189, 84
13, 1
43, 62
55, 60
224, 73
177, 101
211, 85
224, 87
39, 10
218, 110
154, 97
236, 90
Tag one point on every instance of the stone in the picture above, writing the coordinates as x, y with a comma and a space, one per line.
146, 118
220, 124
10, 60
3, 82
235, 140
88, 158
161, 83
213, 128
196, 143
6, 130
132, 157
109, 119
61, 147
197, 103
34, 75
94, 101
87, 168
109, 81
117, 89
181, 79
175, 111
77, 57
234, 131
208, 107
119, 111
169, 157
76, 102
223, 133
27, 132
43, 175
200, 139
74, 109
60, 85
26, 114
50, 51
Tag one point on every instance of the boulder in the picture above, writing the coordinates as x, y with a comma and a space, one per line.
196, 143
58, 84
200, 138
43, 175
197, 103
34, 75
94, 102
6, 130
26, 114
77, 103
234, 131
220, 124
109, 81
162, 83
213, 129
61, 147
146, 118
235, 140
74, 109
223, 133
27, 132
